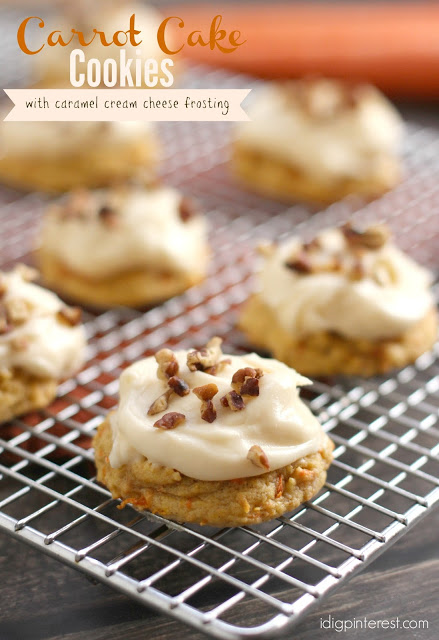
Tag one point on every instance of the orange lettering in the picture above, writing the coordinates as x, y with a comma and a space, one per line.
21, 35
81, 38
133, 32
161, 35
59, 40
234, 39
192, 41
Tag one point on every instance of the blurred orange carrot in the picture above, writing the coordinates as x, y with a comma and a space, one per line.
393, 45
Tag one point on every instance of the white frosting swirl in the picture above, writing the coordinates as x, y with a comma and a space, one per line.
149, 233
350, 143
393, 295
47, 139
277, 420
50, 348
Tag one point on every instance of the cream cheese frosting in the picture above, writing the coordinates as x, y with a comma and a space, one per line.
146, 231
47, 139
391, 294
41, 343
325, 137
276, 420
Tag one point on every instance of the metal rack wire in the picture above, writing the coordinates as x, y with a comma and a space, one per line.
385, 475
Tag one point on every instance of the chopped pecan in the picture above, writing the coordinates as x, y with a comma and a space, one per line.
258, 457
301, 264
206, 357
17, 310
233, 401
205, 394
218, 367
187, 209
357, 271
108, 216
311, 245
208, 411
246, 372
161, 403
246, 381
170, 420
168, 365
374, 237
3, 286
250, 387
70, 316
178, 386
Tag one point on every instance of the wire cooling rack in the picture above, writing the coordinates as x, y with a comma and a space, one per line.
385, 475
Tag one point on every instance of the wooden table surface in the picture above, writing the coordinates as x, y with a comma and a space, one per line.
41, 599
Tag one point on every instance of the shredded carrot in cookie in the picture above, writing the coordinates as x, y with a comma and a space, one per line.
280, 485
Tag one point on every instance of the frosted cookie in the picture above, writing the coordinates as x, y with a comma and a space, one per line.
52, 64
318, 141
41, 343
128, 245
348, 302
212, 439
59, 156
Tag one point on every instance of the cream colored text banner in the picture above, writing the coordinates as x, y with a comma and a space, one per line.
126, 104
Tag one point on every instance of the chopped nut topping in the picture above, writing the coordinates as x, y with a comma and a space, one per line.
247, 372
246, 381
219, 366
322, 99
208, 411
188, 209
312, 245
108, 216
27, 273
168, 365
178, 386
205, 394
206, 357
301, 264
250, 387
257, 456
233, 401
17, 310
374, 237
70, 316
3, 287
357, 271
304, 264
161, 403
170, 420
